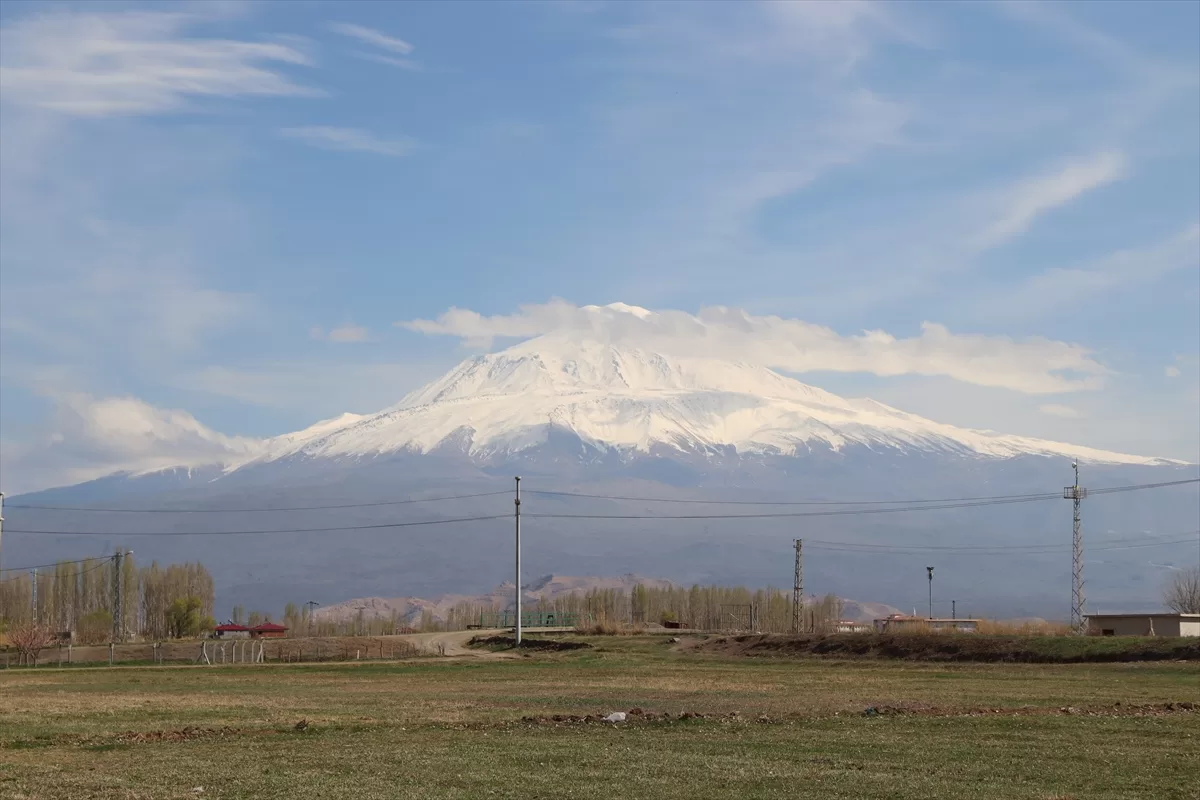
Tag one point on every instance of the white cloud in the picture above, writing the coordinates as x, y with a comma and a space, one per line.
1047, 292
1173, 371
1033, 197
348, 139
1056, 410
89, 437
1032, 366
95, 64
342, 335
372, 36
402, 63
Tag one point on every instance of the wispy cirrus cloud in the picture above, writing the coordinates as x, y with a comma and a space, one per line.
392, 61
1044, 292
348, 140
372, 36
142, 62
1034, 197
342, 335
1058, 410
1032, 366
395, 48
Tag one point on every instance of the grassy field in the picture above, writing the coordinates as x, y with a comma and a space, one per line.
461, 728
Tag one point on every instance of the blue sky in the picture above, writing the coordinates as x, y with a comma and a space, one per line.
215, 214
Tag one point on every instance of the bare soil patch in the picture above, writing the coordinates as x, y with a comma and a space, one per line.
957, 647
544, 645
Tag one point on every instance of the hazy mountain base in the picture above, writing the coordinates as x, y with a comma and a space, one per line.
267, 570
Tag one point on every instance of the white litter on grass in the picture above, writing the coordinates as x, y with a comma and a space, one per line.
616, 716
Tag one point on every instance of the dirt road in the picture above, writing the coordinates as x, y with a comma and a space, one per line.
450, 643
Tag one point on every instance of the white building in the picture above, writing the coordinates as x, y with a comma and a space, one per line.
1153, 624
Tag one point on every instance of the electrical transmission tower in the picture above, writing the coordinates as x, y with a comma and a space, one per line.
798, 587
1076, 493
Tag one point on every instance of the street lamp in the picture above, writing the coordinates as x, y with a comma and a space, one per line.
930, 571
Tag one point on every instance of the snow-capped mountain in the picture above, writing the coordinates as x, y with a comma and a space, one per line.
592, 427
630, 401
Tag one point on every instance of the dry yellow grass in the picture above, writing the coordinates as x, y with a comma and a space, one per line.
443, 728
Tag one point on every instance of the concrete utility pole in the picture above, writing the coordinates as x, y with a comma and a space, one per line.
33, 600
798, 587
517, 588
119, 594
1, 527
1076, 494
930, 571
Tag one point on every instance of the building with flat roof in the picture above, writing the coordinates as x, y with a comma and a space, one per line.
1151, 624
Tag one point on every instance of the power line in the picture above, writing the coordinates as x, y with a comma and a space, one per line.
986, 499
1117, 544
793, 514
55, 564
53, 577
952, 551
999, 500
1026, 496
255, 510
271, 530
1114, 489
928, 506
1038, 496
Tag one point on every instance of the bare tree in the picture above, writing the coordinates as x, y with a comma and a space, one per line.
1182, 594
30, 639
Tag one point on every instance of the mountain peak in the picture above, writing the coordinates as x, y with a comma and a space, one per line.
615, 397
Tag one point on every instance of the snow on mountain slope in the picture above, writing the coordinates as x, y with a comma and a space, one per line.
631, 400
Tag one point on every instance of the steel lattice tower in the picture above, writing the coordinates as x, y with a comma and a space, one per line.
1076, 494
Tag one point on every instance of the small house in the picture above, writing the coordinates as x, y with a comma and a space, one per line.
1152, 624
231, 630
268, 630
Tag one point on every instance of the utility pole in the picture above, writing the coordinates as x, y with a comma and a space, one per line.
798, 587
33, 572
930, 571
517, 588
953, 609
1, 527
311, 605
1076, 494
118, 599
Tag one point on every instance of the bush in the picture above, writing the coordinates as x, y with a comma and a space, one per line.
94, 628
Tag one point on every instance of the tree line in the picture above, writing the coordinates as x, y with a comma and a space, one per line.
706, 607
157, 602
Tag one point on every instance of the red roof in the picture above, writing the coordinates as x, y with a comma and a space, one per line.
267, 627
230, 627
